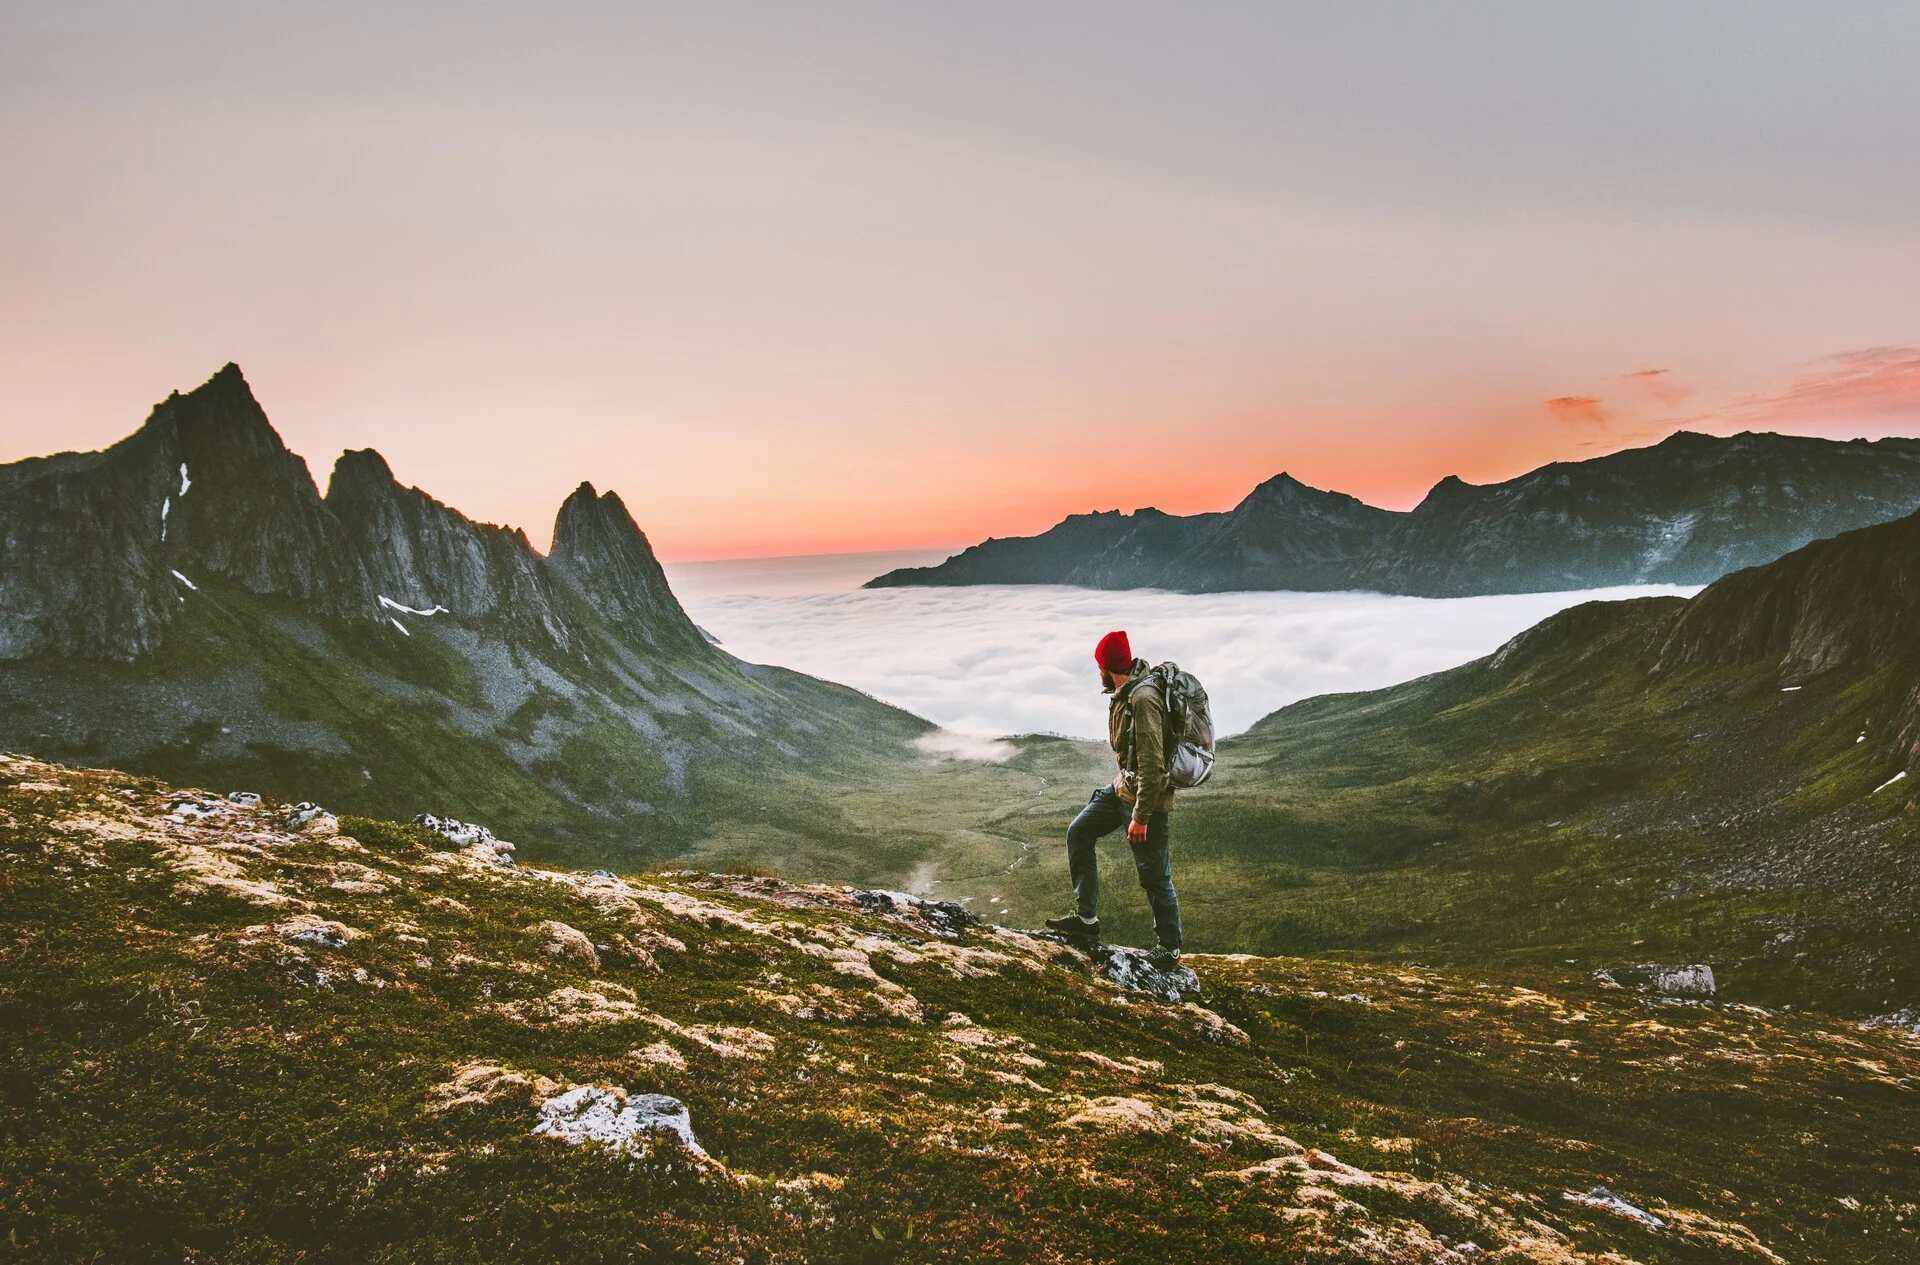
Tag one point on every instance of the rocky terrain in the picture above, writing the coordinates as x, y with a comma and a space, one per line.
243, 1030
186, 603
1684, 511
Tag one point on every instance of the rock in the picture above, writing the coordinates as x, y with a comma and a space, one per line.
309, 929
612, 1117
660, 1054
563, 941
1134, 969
1606, 1201
1694, 980
306, 816
483, 1084
942, 917
1115, 1114
575, 1007
1213, 1027
246, 799
465, 834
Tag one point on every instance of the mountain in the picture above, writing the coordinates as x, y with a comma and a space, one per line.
1685, 511
1723, 779
1283, 535
187, 603
245, 1035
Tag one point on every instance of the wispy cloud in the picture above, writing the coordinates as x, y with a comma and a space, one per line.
991, 661
1577, 410
1872, 391
1657, 385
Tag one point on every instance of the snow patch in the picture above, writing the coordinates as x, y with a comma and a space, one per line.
185, 482
165, 506
392, 605
1788, 689
1889, 782
614, 1118
397, 624
184, 580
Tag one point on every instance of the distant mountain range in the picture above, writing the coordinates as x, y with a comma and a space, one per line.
1685, 511
186, 603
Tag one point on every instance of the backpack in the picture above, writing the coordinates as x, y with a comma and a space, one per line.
1189, 734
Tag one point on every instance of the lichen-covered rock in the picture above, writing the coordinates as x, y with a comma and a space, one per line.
1118, 1114
484, 1084
613, 1118
563, 941
1691, 980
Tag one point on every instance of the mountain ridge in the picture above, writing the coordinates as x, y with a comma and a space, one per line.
1684, 511
186, 602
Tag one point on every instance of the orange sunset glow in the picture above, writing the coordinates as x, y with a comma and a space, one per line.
799, 285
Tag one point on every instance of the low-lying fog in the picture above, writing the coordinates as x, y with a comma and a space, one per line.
1019, 658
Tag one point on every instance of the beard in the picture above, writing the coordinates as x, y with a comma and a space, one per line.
1106, 682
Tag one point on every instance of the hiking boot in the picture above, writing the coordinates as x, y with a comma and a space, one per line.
1164, 959
1074, 927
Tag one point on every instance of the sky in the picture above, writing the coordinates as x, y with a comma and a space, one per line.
986, 661
809, 278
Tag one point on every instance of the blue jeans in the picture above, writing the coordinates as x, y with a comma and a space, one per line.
1105, 813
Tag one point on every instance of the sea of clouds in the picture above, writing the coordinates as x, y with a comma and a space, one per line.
995, 660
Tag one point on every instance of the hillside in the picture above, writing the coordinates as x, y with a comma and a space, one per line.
1722, 779
1714, 780
244, 1033
1685, 511
187, 604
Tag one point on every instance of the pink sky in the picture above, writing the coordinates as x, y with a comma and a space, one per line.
886, 280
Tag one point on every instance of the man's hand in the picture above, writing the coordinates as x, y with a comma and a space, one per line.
1136, 832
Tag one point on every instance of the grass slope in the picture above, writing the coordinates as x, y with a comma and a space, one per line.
1564, 803
239, 1042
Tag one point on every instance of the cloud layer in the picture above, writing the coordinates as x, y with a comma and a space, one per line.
998, 660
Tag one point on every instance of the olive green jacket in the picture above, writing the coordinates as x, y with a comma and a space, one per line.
1138, 706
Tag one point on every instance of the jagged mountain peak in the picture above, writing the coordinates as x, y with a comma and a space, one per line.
360, 464
99, 547
425, 555
601, 553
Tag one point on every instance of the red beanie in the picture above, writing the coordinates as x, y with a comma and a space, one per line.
1113, 653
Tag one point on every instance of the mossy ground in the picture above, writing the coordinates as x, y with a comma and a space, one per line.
192, 1076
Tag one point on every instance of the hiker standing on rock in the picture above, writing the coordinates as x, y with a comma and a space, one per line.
1138, 798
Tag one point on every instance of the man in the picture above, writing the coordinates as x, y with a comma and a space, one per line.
1139, 797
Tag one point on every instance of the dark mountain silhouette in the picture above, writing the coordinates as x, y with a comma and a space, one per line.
1283, 535
1684, 511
